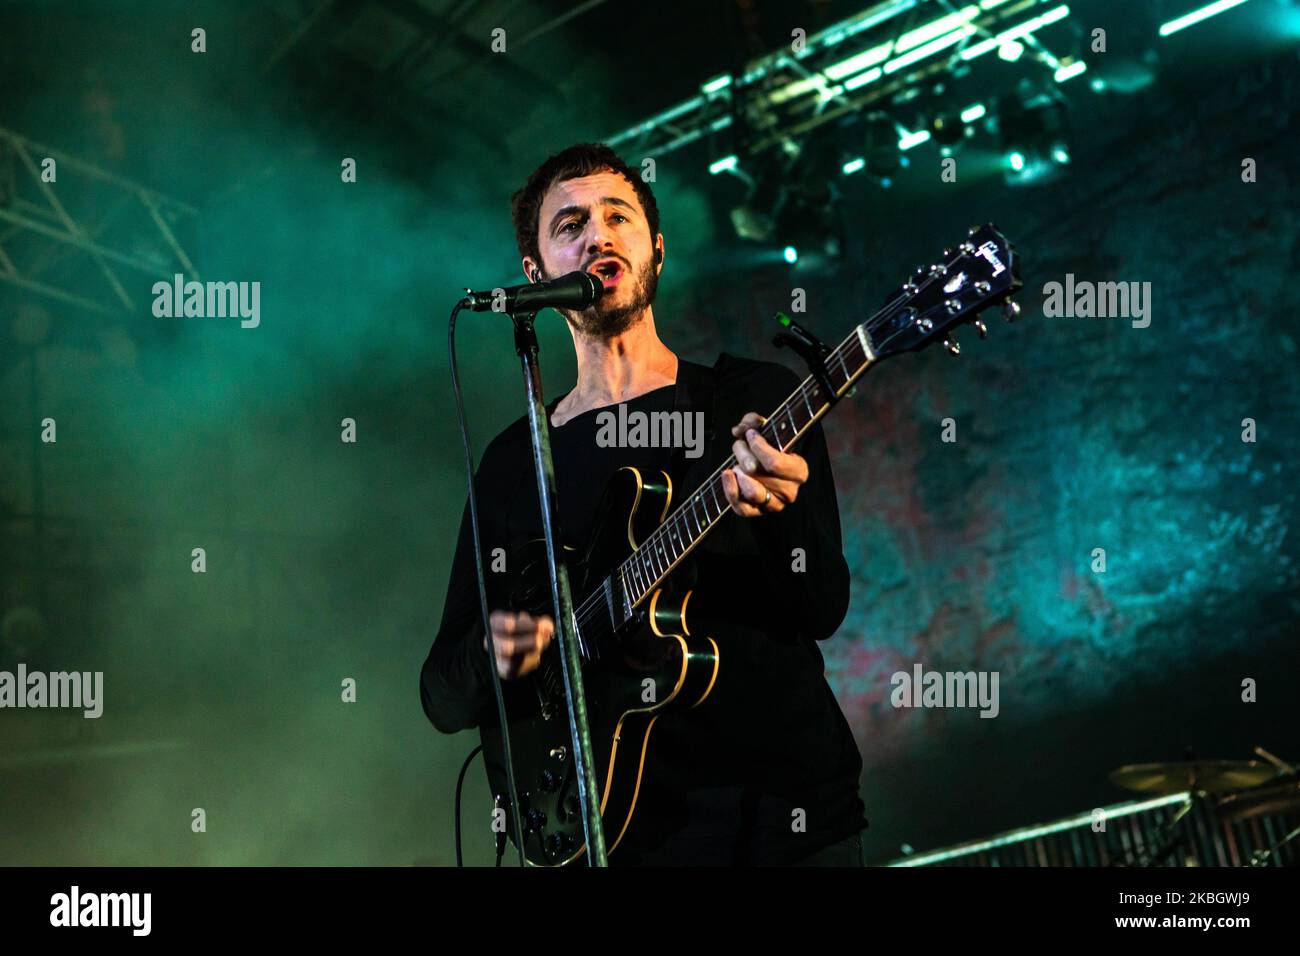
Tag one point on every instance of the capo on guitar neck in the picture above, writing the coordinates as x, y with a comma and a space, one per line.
811, 349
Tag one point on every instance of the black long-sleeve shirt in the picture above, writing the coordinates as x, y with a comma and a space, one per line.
766, 770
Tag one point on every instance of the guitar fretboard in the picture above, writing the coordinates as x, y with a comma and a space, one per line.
642, 572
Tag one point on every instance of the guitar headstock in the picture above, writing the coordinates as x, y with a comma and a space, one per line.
981, 272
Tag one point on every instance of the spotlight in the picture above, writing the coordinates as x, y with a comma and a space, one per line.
880, 147
810, 229
756, 217
1034, 136
948, 132
1124, 74
908, 139
1011, 50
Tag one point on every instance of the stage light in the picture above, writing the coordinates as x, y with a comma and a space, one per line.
755, 218
934, 46
858, 63
1034, 133
1024, 29
791, 254
1117, 73
1011, 51
948, 133
1069, 72
971, 113
716, 84
726, 164
908, 139
880, 146
1196, 16
936, 28
853, 165
862, 79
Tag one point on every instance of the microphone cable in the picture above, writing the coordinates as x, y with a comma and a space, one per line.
483, 608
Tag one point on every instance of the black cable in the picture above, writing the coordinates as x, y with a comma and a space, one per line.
460, 782
482, 589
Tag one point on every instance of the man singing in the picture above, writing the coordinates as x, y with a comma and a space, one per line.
765, 771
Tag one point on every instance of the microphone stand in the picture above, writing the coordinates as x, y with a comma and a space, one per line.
539, 429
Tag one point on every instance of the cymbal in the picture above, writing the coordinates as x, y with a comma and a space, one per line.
1211, 776
1279, 798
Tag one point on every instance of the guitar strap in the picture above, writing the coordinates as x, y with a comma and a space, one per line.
695, 392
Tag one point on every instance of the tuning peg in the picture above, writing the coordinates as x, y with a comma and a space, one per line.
951, 345
981, 328
1011, 311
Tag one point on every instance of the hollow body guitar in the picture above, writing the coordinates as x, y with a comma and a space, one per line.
640, 655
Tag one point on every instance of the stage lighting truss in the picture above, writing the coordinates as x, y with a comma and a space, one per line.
81, 242
871, 62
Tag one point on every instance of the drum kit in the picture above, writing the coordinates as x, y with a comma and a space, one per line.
1234, 790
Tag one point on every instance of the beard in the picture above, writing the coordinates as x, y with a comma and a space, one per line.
603, 321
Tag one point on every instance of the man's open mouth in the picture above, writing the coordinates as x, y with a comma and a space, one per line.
609, 271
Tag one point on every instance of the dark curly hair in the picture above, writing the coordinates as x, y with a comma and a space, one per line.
581, 159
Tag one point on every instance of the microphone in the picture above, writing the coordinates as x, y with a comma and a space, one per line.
577, 290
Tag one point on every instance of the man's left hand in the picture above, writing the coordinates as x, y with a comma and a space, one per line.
767, 478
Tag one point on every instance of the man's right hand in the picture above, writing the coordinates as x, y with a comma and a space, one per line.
519, 640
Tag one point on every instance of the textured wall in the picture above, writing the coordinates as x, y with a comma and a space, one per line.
1075, 434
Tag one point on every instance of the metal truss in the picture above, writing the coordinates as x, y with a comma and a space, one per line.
864, 60
77, 238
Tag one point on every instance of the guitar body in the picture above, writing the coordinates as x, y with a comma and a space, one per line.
631, 674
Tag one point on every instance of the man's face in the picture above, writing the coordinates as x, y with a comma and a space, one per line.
595, 223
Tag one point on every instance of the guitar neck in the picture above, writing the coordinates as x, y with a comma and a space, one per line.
970, 277
672, 541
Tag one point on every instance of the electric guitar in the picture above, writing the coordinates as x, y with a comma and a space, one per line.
640, 656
